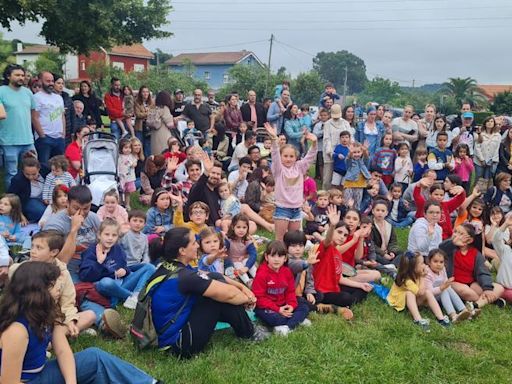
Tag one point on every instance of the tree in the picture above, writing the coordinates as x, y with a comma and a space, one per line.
162, 57
6, 56
75, 26
51, 61
464, 90
307, 88
502, 103
331, 67
380, 90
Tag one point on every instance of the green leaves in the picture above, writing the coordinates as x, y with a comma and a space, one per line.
81, 27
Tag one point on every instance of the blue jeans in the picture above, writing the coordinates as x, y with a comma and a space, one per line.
123, 288
451, 301
98, 310
33, 209
115, 130
274, 319
290, 214
12, 154
486, 171
403, 223
146, 143
48, 147
93, 366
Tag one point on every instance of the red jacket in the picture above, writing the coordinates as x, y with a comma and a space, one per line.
114, 106
447, 207
274, 289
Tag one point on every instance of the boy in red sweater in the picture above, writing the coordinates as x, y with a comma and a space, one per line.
274, 288
437, 195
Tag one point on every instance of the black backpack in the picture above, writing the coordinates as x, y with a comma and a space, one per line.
142, 329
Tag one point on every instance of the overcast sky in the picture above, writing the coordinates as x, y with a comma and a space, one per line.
425, 40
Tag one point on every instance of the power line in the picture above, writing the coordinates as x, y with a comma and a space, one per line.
401, 20
222, 46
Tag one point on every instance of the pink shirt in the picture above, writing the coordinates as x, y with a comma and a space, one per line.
310, 188
120, 215
434, 280
289, 189
464, 168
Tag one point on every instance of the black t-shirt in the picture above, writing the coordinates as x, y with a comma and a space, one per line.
178, 109
200, 116
193, 282
201, 192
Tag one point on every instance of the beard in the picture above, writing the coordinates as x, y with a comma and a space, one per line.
49, 88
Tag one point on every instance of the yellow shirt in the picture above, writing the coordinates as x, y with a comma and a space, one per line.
179, 221
361, 182
396, 297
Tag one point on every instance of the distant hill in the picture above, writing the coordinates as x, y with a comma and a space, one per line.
427, 88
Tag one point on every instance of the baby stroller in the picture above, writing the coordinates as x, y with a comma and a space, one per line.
100, 155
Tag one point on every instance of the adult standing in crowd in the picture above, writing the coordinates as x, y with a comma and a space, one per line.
92, 104
349, 115
17, 104
114, 103
211, 102
275, 114
252, 111
405, 128
161, 132
426, 124
457, 122
232, 114
179, 104
143, 102
50, 115
69, 108
199, 112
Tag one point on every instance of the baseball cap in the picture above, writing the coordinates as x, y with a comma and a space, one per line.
468, 115
178, 91
336, 111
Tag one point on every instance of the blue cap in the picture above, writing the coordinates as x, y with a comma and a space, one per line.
468, 115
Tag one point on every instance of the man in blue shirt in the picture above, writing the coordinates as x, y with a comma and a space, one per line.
16, 128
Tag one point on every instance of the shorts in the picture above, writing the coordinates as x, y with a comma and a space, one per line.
288, 214
128, 187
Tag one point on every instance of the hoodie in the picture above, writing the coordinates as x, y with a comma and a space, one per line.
274, 289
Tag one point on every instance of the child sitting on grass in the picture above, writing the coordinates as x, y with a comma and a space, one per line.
214, 254
59, 203
59, 175
409, 291
46, 246
105, 264
502, 244
241, 251
113, 210
159, 216
274, 288
11, 218
398, 215
384, 237
135, 243
198, 213
437, 282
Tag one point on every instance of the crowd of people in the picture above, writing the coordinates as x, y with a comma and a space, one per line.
195, 250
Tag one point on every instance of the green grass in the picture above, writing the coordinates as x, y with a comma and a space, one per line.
378, 346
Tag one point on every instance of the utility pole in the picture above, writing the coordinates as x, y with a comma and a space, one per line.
413, 81
268, 66
345, 85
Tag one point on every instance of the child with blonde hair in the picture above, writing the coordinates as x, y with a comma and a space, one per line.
357, 176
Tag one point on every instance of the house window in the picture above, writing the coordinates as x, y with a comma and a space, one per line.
207, 75
82, 65
118, 65
226, 78
139, 67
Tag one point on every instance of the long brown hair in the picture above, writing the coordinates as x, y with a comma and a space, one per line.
407, 268
28, 295
15, 202
153, 164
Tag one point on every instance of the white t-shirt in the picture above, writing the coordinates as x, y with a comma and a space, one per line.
240, 187
51, 108
400, 125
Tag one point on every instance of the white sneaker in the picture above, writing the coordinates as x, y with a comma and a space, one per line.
306, 323
282, 330
131, 301
90, 332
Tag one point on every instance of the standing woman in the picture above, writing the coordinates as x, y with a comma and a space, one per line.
380, 112
293, 126
165, 122
370, 131
143, 102
232, 115
74, 152
487, 150
405, 128
92, 104
426, 124
349, 115
505, 159
69, 108
30, 319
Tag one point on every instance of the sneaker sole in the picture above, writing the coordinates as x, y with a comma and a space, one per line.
462, 316
346, 313
113, 325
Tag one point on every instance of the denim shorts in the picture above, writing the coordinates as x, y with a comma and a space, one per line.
289, 214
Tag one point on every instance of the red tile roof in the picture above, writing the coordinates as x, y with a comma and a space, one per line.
210, 58
490, 90
135, 50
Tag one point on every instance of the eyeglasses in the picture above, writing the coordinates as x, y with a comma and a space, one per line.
198, 212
